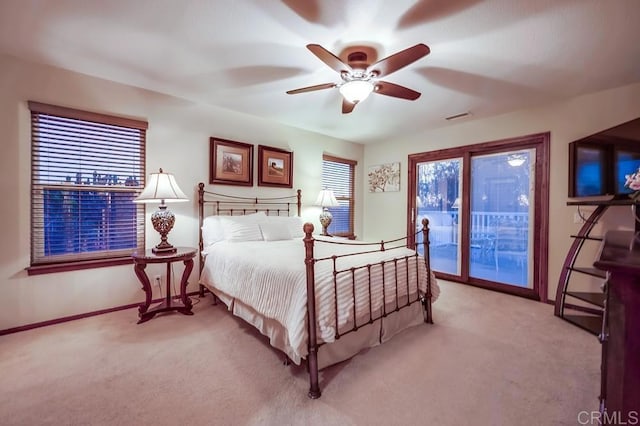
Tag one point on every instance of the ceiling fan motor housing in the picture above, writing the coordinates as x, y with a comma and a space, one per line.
358, 60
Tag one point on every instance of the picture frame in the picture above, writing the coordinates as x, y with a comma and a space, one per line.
275, 167
230, 162
384, 177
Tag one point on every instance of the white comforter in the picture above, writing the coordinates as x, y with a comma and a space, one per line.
270, 276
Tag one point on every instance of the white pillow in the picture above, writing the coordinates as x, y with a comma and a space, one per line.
293, 223
212, 231
243, 228
275, 231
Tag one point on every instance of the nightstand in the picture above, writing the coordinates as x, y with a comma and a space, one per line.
141, 260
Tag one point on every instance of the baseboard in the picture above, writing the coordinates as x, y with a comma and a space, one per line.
80, 316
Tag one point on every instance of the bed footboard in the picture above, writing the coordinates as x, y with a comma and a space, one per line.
398, 275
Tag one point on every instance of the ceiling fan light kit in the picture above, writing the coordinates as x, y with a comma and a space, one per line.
516, 160
360, 78
355, 91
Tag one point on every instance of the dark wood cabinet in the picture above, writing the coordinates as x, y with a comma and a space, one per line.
620, 337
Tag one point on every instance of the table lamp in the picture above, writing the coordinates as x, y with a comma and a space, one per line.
162, 188
326, 199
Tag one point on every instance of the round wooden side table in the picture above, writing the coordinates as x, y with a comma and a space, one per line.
141, 260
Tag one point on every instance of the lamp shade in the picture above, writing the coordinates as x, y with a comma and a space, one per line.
161, 188
356, 91
326, 199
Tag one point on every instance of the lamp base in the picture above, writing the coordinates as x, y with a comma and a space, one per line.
163, 220
325, 220
164, 248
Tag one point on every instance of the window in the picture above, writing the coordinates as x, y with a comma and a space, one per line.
338, 175
86, 169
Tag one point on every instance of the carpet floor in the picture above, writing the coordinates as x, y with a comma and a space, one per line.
489, 359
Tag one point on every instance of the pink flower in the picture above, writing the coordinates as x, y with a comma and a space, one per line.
633, 181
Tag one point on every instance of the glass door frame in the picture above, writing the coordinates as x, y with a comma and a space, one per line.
540, 142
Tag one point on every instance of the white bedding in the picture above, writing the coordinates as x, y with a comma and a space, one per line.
270, 276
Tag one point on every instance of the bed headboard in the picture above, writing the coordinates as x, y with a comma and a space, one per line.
213, 203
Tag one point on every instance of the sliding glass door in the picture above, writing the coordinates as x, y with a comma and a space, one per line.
500, 242
438, 200
486, 207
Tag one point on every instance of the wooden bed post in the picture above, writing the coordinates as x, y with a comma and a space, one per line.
312, 357
427, 260
299, 192
200, 244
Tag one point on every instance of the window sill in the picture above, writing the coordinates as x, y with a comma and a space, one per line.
347, 236
75, 266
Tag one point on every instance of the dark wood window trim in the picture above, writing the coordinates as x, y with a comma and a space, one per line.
113, 259
76, 266
87, 115
540, 142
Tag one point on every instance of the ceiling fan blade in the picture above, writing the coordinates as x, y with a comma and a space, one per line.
396, 91
398, 60
347, 106
329, 58
312, 88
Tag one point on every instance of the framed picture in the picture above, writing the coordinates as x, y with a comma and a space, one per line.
275, 167
230, 163
384, 177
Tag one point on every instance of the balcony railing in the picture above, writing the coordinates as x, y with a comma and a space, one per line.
443, 225
498, 245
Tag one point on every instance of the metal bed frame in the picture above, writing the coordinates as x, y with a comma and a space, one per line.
232, 205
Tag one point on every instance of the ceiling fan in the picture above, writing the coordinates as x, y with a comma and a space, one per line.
360, 78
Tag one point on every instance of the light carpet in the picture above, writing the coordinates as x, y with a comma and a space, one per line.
489, 359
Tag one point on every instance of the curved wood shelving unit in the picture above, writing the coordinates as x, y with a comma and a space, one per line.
591, 318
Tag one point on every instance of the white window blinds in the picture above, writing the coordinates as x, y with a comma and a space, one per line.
338, 175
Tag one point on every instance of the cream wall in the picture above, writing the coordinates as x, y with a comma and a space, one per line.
567, 121
177, 141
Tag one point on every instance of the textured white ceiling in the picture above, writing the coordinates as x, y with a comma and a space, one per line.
487, 57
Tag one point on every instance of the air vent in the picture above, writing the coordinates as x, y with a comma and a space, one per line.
457, 116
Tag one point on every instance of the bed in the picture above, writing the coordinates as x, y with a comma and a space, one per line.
318, 299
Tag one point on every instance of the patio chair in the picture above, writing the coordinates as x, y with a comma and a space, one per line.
511, 243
